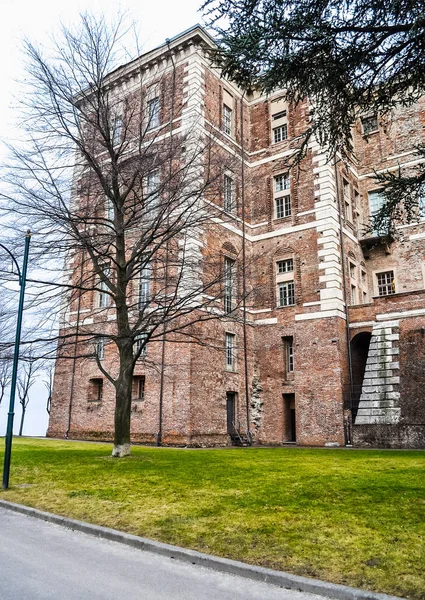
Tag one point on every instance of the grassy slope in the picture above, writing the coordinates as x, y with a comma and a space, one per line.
353, 517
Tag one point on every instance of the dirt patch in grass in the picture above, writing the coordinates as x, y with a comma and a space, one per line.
353, 517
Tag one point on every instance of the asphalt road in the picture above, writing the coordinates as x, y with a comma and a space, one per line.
39, 560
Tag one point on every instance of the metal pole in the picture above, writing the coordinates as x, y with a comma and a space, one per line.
11, 413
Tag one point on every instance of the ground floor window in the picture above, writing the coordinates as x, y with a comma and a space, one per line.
95, 390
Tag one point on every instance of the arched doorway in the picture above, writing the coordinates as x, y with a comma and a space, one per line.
359, 352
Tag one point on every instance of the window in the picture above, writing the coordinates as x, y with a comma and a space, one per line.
353, 296
421, 205
230, 352
286, 293
348, 213
140, 343
283, 207
95, 390
100, 348
110, 209
352, 269
281, 183
358, 216
285, 266
139, 387
104, 298
369, 124
279, 121
281, 186
227, 119
386, 283
116, 131
228, 202
229, 284
153, 113
145, 286
151, 193
288, 353
376, 202
280, 133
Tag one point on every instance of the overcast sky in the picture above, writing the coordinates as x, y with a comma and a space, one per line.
37, 20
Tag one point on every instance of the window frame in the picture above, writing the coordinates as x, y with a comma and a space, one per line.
380, 286
144, 291
139, 382
153, 108
366, 118
288, 295
104, 299
227, 119
282, 196
99, 347
286, 261
95, 385
288, 355
136, 344
228, 194
229, 280
280, 133
230, 351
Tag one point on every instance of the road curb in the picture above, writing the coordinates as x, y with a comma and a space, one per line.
224, 565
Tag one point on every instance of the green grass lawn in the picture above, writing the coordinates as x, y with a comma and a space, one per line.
348, 516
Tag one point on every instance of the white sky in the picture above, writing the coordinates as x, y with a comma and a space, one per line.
38, 19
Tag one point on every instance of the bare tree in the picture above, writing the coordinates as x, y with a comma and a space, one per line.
118, 183
5, 375
6, 352
27, 376
48, 383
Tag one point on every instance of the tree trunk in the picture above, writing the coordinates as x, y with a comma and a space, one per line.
123, 403
21, 426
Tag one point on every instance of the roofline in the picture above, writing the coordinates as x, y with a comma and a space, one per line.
196, 31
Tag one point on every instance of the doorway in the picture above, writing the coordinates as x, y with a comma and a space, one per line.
289, 421
231, 412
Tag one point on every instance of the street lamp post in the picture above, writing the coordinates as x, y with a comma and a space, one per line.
11, 413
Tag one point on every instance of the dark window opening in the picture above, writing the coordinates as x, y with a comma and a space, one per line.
95, 390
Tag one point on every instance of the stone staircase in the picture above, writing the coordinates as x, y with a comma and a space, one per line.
380, 396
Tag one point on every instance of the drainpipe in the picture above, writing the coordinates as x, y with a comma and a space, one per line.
345, 292
245, 345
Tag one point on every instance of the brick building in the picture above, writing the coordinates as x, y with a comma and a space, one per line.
335, 318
